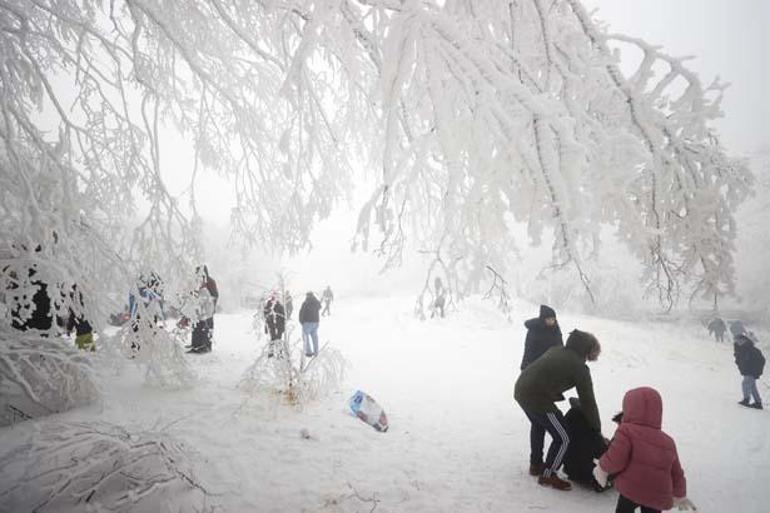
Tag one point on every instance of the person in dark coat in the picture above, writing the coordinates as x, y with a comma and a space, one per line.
275, 323
538, 388
543, 333
717, 327
751, 363
40, 317
309, 319
585, 445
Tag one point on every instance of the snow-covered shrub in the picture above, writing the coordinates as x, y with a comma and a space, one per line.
40, 376
62, 467
292, 376
161, 353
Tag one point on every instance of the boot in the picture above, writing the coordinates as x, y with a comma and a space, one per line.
743, 402
536, 469
756, 406
554, 481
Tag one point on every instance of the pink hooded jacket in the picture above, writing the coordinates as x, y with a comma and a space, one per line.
643, 457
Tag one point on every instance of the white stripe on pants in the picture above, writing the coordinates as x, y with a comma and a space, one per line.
552, 470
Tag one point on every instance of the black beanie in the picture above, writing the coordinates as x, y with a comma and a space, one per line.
546, 311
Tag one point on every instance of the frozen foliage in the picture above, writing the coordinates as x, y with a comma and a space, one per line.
67, 467
292, 376
476, 114
40, 376
160, 352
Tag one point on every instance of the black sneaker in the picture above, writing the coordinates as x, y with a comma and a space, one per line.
744, 402
756, 406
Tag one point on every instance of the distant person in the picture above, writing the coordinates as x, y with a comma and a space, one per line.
309, 319
202, 333
326, 298
147, 300
440, 298
717, 328
751, 364
275, 322
39, 317
211, 287
84, 336
643, 459
543, 333
288, 303
538, 388
585, 445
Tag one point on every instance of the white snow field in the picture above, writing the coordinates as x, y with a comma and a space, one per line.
457, 441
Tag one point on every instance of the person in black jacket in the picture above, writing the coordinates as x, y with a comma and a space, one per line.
543, 333
751, 363
309, 318
275, 321
717, 327
585, 445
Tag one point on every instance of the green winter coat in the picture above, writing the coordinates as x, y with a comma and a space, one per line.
542, 383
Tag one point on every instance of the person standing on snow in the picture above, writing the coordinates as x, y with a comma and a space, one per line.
538, 388
643, 459
211, 286
750, 362
440, 301
717, 328
275, 321
543, 333
288, 302
327, 297
309, 319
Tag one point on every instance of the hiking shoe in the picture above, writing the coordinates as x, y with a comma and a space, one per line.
536, 469
756, 406
743, 402
554, 482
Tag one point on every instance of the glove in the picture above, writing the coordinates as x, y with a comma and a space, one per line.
684, 504
600, 475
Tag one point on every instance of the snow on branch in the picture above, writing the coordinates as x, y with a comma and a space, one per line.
95, 466
472, 115
40, 376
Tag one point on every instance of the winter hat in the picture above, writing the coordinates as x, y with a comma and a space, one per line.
546, 311
737, 328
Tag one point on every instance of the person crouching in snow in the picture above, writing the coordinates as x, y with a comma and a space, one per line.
585, 445
751, 363
643, 460
538, 388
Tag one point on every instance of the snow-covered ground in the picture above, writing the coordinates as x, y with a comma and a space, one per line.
457, 441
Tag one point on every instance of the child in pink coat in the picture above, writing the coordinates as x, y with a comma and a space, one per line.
643, 459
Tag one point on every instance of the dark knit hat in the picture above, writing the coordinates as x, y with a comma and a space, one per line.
546, 311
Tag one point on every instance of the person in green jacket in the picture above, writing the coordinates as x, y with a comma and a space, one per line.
538, 388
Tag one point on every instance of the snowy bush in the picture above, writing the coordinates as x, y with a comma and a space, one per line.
73, 467
40, 376
292, 376
161, 353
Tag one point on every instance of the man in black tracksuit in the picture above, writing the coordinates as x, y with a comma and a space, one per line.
541, 384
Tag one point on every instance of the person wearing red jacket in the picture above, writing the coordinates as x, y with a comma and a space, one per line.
643, 459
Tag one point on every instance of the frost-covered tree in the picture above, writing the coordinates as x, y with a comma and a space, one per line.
474, 114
